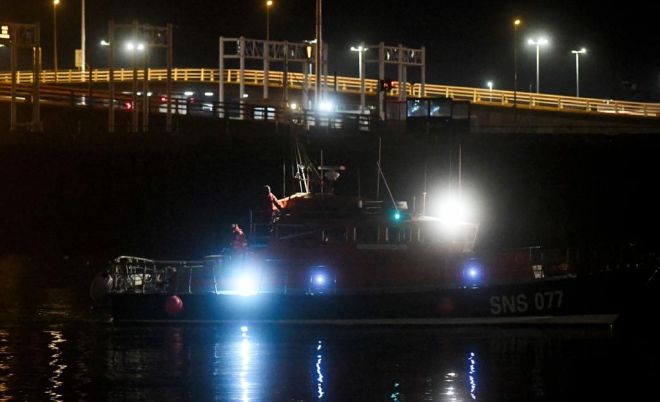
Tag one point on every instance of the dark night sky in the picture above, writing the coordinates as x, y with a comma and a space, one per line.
468, 42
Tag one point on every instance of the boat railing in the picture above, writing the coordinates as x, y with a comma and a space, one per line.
131, 274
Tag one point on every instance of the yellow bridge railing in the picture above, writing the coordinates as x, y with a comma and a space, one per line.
351, 85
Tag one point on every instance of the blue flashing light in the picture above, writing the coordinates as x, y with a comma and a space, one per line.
320, 280
397, 216
472, 274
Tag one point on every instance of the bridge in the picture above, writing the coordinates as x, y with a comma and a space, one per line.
61, 86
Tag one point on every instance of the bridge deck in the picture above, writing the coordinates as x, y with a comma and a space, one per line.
351, 85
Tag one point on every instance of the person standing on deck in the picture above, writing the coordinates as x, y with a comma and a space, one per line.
268, 205
266, 209
238, 243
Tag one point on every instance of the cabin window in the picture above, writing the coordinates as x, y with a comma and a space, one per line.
306, 239
335, 235
284, 232
538, 271
299, 235
430, 234
397, 234
366, 235
423, 235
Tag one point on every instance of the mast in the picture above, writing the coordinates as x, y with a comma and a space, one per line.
380, 139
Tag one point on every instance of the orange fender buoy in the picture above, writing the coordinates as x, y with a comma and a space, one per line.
174, 305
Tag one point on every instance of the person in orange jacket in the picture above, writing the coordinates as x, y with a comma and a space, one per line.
268, 204
239, 242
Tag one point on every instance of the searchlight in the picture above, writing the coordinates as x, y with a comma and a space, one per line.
326, 106
243, 281
455, 212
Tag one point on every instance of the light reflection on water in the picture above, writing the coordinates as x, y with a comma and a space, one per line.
319, 370
472, 373
53, 347
5, 368
256, 363
56, 366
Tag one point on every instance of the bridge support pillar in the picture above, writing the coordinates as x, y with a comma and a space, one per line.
221, 78
266, 67
381, 76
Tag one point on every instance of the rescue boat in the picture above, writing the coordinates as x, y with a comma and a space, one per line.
331, 259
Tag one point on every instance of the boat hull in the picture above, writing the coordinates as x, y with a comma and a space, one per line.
596, 299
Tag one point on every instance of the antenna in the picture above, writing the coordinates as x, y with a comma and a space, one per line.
359, 185
322, 179
460, 164
387, 187
426, 180
380, 139
283, 176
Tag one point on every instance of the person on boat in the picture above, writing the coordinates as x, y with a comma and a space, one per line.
267, 204
267, 209
330, 176
238, 243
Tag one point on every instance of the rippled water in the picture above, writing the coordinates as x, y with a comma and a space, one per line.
53, 347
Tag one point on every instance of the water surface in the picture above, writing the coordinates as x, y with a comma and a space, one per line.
54, 347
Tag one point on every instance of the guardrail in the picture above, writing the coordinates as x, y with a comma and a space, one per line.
98, 99
142, 275
351, 85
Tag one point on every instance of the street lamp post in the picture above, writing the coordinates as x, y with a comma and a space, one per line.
577, 54
516, 24
82, 37
318, 56
133, 48
55, 4
538, 43
361, 49
269, 4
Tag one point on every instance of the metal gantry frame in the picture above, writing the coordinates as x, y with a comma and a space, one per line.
402, 57
15, 36
150, 37
284, 52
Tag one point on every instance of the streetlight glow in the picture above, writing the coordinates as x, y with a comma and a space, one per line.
360, 49
577, 54
131, 47
542, 41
